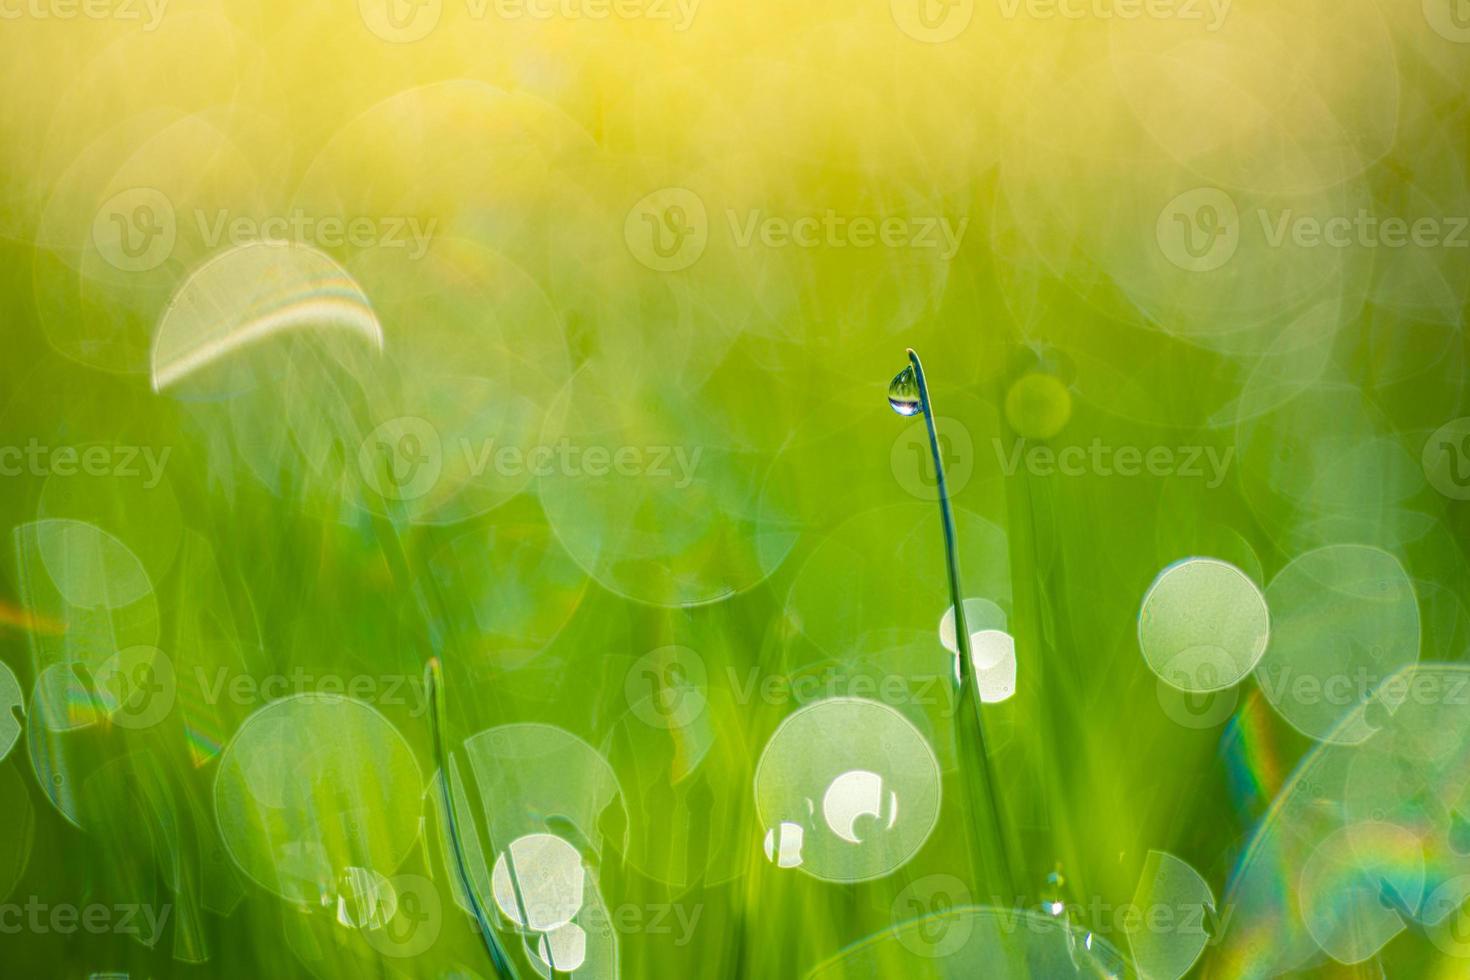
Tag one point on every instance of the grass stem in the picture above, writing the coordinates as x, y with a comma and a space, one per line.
969, 689
434, 681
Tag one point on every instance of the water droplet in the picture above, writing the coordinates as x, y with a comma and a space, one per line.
1053, 900
903, 392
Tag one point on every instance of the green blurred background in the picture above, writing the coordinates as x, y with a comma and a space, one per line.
553, 340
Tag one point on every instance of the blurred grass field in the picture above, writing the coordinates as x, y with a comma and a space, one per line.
552, 338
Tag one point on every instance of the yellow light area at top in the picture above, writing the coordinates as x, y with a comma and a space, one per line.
764, 98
